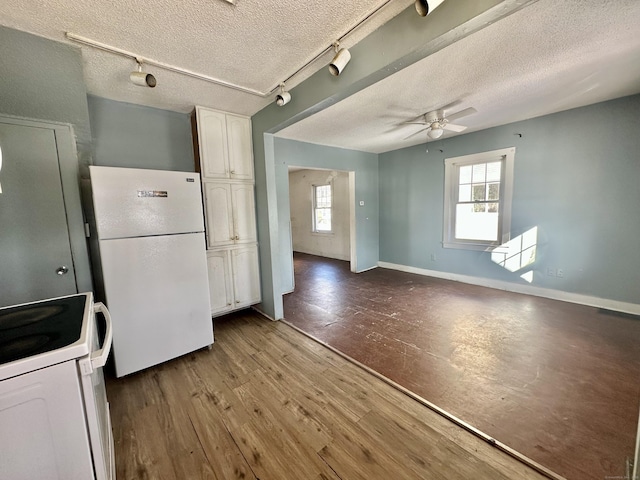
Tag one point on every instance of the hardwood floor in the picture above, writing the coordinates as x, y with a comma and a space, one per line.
557, 382
268, 403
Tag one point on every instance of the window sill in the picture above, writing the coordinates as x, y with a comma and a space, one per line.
481, 247
323, 234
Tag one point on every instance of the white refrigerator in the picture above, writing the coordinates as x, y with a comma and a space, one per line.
152, 256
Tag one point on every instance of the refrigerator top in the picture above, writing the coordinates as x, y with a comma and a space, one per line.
134, 202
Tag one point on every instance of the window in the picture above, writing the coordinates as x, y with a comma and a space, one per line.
322, 208
477, 199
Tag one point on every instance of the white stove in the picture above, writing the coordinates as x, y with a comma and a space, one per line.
54, 414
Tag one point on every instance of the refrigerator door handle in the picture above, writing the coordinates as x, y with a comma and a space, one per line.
99, 357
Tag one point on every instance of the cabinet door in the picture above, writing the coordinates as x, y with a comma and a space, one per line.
220, 291
240, 147
246, 275
219, 214
212, 136
244, 212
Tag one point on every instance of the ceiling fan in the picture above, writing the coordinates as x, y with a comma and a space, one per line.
436, 122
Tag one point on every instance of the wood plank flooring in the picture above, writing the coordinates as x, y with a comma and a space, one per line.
558, 382
268, 403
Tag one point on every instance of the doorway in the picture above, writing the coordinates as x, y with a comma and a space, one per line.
322, 213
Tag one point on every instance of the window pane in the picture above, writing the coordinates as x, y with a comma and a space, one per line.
323, 219
465, 174
464, 194
479, 207
472, 225
323, 196
493, 171
479, 192
492, 207
479, 172
494, 191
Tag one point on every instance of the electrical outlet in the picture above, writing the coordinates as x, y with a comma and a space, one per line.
560, 273
551, 272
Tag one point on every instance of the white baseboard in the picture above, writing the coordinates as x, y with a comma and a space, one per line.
335, 256
625, 307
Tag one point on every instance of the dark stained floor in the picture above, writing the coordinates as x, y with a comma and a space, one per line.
558, 382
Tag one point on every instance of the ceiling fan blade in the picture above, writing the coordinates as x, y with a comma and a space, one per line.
454, 128
462, 113
415, 123
416, 133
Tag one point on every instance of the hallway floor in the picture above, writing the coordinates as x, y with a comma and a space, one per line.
557, 382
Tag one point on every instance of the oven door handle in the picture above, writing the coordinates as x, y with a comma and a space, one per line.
99, 357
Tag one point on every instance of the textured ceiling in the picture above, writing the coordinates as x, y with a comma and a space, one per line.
552, 55
256, 44
548, 57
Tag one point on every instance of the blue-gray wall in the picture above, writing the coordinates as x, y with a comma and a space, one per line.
127, 135
365, 166
43, 80
576, 178
402, 41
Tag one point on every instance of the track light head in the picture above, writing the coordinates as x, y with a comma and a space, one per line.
425, 7
340, 60
283, 97
141, 78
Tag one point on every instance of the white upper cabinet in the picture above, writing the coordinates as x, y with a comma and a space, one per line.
240, 148
212, 138
225, 146
230, 213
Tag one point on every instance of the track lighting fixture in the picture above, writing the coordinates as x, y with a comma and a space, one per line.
141, 78
425, 7
340, 60
283, 97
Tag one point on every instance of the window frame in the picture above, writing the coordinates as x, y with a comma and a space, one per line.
315, 208
451, 192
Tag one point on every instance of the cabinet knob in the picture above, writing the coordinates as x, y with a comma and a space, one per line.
237, 301
232, 238
233, 172
237, 237
228, 304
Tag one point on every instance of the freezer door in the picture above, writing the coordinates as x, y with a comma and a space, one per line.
133, 202
157, 291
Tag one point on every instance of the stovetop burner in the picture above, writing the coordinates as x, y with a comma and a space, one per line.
40, 327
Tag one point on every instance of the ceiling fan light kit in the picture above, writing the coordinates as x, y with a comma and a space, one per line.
435, 131
436, 122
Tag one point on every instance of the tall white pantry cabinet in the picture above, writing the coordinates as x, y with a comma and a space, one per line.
224, 158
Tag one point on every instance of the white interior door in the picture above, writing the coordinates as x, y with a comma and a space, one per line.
35, 251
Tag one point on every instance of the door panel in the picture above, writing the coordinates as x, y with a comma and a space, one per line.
244, 217
34, 236
246, 275
219, 280
219, 214
240, 147
212, 132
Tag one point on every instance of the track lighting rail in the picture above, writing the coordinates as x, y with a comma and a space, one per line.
183, 71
